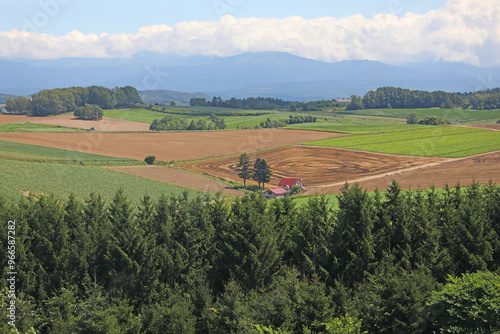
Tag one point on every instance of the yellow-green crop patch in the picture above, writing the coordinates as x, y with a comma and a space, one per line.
444, 141
27, 152
22, 177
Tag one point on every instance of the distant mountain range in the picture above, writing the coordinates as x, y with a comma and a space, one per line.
269, 74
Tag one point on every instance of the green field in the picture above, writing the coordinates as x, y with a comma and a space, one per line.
234, 118
34, 127
361, 126
17, 151
444, 141
20, 177
454, 115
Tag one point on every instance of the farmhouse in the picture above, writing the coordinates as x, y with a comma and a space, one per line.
285, 188
342, 100
290, 183
275, 193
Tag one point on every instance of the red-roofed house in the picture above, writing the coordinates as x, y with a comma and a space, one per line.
275, 193
290, 183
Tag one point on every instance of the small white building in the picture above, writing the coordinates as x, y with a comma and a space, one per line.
275, 193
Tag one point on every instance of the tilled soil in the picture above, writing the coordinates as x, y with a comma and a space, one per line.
106, 124
172, 146
317, 166
180, 178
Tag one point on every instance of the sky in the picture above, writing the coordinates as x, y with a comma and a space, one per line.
390, 31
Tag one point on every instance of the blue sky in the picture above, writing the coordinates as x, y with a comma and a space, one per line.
114, 16
390, 31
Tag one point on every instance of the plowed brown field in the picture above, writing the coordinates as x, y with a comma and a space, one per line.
180, 178
169, 146
480, 168
106, 124
317, 166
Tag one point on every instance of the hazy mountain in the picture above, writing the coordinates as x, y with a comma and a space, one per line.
273, 74
166, 96
5, 97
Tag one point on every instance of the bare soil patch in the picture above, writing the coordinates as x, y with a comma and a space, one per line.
317, 166
480, 168
180, 178
69, 121
484, 126
180, 146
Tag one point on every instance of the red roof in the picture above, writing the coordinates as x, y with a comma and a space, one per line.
278, 191
288, 182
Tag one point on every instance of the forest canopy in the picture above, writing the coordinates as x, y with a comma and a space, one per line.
386, 262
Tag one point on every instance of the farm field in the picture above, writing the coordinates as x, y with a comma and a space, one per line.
180, 178
357, 126
171, 146
449, 114
69, 121
21, 177
480, 168
28, 152
233, 118
447, 141
325, 170
316, 166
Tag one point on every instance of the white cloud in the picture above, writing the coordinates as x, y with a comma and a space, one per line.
463, 31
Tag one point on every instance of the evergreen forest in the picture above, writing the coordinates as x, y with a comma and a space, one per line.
396, 261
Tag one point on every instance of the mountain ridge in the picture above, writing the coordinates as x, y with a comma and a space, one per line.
273, 74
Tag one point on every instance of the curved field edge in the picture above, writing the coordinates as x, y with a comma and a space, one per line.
447, 141
20, 178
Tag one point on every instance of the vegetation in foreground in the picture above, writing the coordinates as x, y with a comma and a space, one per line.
379, 263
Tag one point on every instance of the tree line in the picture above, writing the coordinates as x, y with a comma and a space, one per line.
176, 123
392, 262
261, 103
58, 101
393, 97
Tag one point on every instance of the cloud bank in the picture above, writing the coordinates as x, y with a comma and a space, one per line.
462, 31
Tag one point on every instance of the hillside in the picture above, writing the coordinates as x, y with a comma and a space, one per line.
5, 97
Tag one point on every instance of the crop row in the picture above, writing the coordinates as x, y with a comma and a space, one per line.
440, 141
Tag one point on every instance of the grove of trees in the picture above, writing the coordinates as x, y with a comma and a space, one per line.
89, 112
260, 171
388, 262
58, 101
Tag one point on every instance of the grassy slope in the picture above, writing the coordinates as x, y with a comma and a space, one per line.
438, 141
62, 180
34, 127
18, 151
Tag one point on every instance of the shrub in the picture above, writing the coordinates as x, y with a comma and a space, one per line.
433, 120
498, 121
412, 118
150, 159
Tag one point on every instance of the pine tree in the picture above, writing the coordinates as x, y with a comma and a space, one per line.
261, 172
244, 168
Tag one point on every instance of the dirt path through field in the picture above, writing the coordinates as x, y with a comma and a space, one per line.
180, 178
